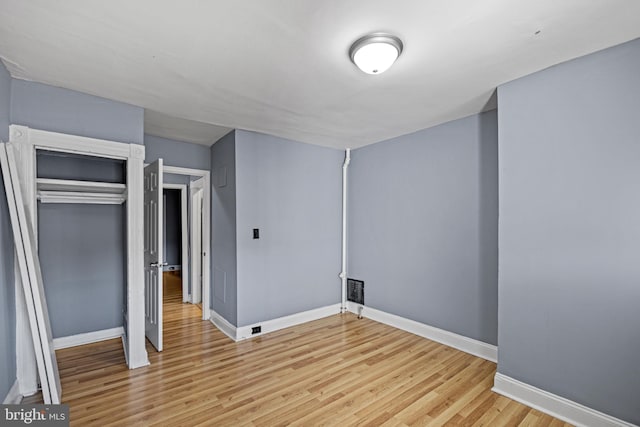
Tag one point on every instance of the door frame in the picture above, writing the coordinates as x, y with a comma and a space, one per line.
196, 191
206, 229
184, 220
26, 141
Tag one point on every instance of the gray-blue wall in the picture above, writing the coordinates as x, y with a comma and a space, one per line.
5, 102
75, 237
176, 153
171, 178
570, 230
223, 228
55, 165
423, 225
81, 249
7, 288
292, 193
61, 110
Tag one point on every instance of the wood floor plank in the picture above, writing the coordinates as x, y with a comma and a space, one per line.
339, 370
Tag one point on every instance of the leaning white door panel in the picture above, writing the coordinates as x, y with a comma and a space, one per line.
29, 266
153, 256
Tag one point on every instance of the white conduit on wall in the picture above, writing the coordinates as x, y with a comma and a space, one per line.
343, 273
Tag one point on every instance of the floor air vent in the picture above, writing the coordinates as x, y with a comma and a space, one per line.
355, 291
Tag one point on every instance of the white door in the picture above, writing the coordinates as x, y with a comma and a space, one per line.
153, 257
31, 276
197, 188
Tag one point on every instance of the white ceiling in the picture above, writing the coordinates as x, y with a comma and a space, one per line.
281, 67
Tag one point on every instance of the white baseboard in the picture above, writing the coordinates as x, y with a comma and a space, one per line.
244, 332
267, 326
87, 338
554, 405
13, 397
223, 324
468, 345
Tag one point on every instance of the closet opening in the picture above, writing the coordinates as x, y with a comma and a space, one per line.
83, 199
82, 244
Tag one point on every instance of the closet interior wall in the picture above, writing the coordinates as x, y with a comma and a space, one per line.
82, 248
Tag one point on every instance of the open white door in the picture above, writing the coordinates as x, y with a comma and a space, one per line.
153, 257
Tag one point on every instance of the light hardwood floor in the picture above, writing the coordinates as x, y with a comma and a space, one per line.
335, 371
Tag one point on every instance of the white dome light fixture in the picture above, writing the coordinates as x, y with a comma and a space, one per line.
375, 53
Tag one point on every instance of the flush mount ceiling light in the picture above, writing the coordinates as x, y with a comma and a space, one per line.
375, 53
